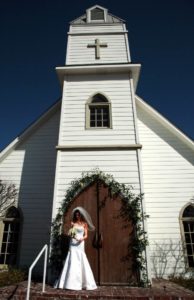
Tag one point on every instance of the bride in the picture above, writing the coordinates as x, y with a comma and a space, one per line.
76, 273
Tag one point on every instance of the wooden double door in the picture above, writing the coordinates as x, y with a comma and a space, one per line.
108, 247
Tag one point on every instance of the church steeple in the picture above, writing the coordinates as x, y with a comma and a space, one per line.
97, 14
98, 120
97, 37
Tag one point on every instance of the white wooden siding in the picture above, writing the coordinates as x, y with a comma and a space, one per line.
168, 174
77, 91
31, 166
79, 53
96, 28
121, 164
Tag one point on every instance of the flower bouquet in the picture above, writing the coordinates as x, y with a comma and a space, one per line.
72, 232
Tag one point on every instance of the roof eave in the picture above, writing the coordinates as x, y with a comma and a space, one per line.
165, 122
132, 69
20, 138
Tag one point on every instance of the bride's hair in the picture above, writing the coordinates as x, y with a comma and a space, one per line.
84, 217
75, 218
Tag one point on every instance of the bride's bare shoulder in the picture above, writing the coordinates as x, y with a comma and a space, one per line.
85, 224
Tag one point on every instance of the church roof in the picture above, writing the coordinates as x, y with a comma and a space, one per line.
30, 129
56, 106
109, 17
165, 122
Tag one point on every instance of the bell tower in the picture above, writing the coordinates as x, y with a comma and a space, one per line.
97, 38
98, 127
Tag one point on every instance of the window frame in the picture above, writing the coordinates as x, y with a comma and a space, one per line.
10, 234
98, 104
182, 220
97, 20
88, 15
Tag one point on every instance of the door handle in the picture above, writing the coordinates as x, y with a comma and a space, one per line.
100, 240
95, 241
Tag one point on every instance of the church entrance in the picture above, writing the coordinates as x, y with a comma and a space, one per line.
109, 247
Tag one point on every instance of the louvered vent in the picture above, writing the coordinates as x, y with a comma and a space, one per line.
97, 14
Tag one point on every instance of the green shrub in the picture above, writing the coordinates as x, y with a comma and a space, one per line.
185, 282
11, 276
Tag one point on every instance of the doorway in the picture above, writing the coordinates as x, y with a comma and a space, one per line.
109, 247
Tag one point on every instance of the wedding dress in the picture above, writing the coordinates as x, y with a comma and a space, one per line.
76, 273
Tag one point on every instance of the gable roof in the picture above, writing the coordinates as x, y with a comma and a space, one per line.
56, 106
165, 122
30, 129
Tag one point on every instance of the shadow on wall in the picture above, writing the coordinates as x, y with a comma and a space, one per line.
36, 189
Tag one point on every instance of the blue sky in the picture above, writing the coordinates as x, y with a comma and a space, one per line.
33, 42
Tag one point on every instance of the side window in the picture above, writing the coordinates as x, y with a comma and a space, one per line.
98, 112
11, 222
187, 220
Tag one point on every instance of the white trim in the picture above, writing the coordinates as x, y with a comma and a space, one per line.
68, 49
134, 109
62, 109
97, 32
55, 187
182, 210
141, 182
133, 69
90, 98
165, 122
127, 43
93, 24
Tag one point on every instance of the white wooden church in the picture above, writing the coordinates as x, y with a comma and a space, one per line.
101, 123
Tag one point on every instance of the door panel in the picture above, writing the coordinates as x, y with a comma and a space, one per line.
114, 260
111, 260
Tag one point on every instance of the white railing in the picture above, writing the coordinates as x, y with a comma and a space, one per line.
45, 248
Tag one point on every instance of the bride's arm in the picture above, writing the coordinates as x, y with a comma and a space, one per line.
85, 236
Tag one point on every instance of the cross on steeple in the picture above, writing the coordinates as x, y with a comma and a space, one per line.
97, 46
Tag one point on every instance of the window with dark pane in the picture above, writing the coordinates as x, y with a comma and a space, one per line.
97, 14
188, 226
99, 110
9, 245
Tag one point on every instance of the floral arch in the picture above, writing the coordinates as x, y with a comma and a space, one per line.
131, 209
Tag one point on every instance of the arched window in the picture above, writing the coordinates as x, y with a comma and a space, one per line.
187, 220
98, 112
10, 237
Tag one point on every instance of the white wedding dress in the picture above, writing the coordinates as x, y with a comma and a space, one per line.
76, 273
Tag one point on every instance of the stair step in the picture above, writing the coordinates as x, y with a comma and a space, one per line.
161, 290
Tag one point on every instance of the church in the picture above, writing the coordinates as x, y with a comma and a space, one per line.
101, 126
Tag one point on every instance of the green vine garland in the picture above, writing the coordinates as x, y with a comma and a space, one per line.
131, 210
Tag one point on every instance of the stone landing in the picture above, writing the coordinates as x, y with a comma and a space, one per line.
161, 290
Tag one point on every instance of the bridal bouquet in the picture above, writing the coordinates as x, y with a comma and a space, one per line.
72, 232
